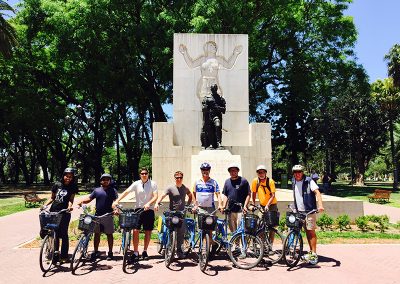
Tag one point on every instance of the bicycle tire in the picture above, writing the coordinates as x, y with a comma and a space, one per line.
204, 251
46, 253
170, 248
292, 248
217, 240
126, 256
272, 251
247, 255
79, 252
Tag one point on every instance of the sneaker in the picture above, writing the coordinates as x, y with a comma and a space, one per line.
110, 255
242, 255
313, 259
180, 254
64, 259
145, 255
135, 257
94, 256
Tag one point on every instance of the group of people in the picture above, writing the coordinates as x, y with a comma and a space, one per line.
236, 188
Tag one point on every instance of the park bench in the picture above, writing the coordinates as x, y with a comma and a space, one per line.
32, 199
380, 196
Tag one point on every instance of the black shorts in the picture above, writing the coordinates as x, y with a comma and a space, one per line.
146, 220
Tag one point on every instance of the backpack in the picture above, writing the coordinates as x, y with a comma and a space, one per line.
267, 183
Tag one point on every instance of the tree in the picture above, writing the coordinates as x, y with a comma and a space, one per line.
7, 33
393, 63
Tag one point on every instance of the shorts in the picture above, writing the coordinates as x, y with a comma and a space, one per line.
106, 225
234, 219
146, 220
204, 210
311, 222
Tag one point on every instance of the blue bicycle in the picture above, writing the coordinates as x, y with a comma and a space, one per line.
168, 226
244, 248
293, 244
199, 236
128, 219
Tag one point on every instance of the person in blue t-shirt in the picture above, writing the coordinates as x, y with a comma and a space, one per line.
105, 196
236, 189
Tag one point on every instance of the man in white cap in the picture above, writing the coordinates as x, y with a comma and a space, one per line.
307, 198
236, 189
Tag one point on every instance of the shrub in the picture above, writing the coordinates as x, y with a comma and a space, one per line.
397, 225
362, 223
282, 223
380, 222
325, 222
343, 222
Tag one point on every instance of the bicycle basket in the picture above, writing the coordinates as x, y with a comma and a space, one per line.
129, 219
207, 222
174, 219
86, 223
292, 220
52, 220
250, 223
271, 218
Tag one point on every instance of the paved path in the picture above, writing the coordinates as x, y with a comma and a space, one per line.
338, 264
378, 209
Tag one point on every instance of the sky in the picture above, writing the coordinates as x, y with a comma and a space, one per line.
378, 26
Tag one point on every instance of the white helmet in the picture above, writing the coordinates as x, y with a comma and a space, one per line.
233, 165
261, 167
299, 168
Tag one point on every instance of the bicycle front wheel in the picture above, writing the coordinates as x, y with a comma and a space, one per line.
170, 248
246, 251
292, 248
46, 253
273, 244
78, 254
126, 240
204, 250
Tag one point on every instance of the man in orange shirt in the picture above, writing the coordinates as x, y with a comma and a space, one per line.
265, 188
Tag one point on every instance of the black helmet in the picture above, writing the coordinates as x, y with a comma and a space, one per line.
69, 170
106, 176
205, 166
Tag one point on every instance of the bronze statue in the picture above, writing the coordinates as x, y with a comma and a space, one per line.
213, 106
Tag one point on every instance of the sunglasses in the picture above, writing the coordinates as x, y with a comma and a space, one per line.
144, 174
297, 172
178, 177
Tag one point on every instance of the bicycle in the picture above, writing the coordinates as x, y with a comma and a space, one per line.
199, 237
273, 239
128, 219
87, 223
167, 236
293, 244
49, 223
244, 248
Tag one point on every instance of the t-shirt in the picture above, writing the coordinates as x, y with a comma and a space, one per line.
236, 190
104, 199
299, 195
177, 196
143, 191
63, 195
264, 194
205, 192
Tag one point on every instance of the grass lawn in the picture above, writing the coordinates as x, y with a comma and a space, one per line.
12, 205
343, 189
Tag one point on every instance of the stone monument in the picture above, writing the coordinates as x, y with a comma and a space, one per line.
201, 61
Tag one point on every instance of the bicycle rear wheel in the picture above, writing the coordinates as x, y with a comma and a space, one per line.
246, 251
47, 253
170, 248
273, 244
204, 250
78, 254
126, 241
292, 248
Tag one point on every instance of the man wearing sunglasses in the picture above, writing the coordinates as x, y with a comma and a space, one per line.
177, 194
146, 195
307, 198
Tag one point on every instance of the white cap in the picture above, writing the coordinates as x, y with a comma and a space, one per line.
233, 165
298, 168
261, 167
